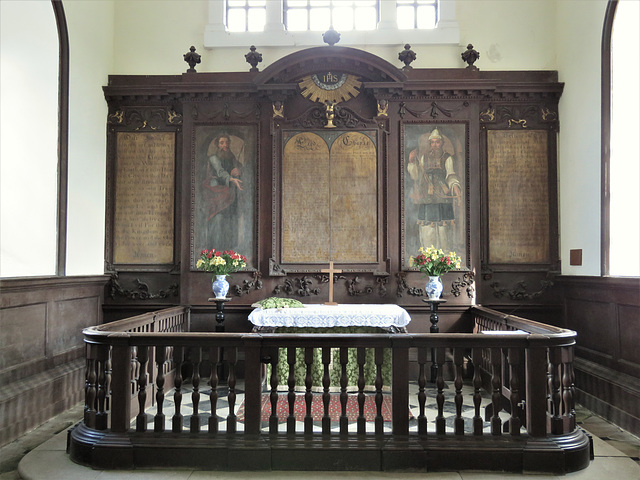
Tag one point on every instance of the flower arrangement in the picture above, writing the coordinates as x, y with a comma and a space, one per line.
434, 262
221, 263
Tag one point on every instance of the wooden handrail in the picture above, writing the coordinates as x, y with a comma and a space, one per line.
532, 367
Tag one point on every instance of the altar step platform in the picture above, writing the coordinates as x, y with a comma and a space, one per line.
222, 410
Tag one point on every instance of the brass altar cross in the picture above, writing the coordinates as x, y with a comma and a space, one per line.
330, 271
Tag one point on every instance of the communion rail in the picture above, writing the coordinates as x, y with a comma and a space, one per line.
532, 366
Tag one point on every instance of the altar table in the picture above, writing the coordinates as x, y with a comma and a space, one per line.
337, 319
390, 317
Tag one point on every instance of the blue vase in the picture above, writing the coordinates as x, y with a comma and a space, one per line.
434, 288
220, 286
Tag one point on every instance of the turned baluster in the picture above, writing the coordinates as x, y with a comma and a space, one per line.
496, 395
158, 421
103, 375
214, 356
196, 358
291, 396
422, 395
273, 396
555, 359
141, 419
379, 420
91, 387
308, 395
361, 422
232, 419
568, 387
326, 396
477, 387
457, 360
176, 420
344, 420
439, 362
514, 358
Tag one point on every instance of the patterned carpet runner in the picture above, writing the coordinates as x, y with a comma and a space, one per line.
317, 408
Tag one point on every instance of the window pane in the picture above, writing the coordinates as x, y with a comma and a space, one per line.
319, 3
297, 20
236, 3
624, 180
257, 3
320, 19
257, 19
236, 20
366, 18
406, 19
343, 19
296, 3
426, 17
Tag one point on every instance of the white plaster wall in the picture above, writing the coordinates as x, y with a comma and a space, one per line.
91, 30
28, 138
578, 41
510, 35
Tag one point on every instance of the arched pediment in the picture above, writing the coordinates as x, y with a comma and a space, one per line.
349, 60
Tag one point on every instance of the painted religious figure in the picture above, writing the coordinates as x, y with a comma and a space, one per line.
434, 187
225, 190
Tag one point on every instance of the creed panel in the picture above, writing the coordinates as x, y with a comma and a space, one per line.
144, 198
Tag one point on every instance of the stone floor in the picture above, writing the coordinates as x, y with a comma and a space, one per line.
40, 455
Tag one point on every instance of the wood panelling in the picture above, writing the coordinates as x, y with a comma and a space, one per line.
605, 312
42, 366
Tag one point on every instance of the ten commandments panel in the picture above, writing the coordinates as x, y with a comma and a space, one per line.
329, 198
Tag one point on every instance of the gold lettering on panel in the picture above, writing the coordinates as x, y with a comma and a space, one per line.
329, 198
518, 196
305, 200
144, 198
354, 236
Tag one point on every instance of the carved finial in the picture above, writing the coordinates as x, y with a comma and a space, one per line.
253, 58
470, 56
407, 56
192, 58
331, 36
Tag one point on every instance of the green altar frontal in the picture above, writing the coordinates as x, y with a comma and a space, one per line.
335, 369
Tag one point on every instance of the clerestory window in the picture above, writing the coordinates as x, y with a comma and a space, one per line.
320, 15
238, 23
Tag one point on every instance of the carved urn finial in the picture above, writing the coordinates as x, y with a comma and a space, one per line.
192, 58
253, 58
470, 56
331, 36
407, 56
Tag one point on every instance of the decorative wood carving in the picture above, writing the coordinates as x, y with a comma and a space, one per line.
253, 58
466, 282
141, 291
470, 56
192, 58
519, 292
407, 56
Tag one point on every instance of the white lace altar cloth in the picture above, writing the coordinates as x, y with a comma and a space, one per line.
328, 316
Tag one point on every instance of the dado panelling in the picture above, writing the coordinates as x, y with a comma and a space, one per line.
629, 326
69, 318
22, 331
